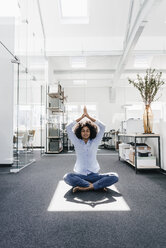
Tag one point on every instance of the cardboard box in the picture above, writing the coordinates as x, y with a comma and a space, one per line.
132, 156
143, 148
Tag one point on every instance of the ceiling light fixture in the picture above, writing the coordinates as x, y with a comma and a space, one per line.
78, 62
10, 9
80, 82
74, 11
142, 61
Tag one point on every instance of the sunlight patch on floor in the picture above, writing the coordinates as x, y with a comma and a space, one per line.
65, 200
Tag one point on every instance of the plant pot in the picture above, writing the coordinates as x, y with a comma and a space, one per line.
148, 119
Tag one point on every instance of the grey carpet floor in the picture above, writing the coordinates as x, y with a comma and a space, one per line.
26, 223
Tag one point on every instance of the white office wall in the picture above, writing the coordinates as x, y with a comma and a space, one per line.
111, 113
161, 130
160, 127
110, 108
6, 91
98, 96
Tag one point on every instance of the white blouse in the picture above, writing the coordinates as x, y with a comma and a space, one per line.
86, 161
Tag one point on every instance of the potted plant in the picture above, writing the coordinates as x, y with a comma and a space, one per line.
148, 87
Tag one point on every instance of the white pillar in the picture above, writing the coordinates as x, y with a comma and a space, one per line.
6, 90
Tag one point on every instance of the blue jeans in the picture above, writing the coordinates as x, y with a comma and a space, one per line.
99, 181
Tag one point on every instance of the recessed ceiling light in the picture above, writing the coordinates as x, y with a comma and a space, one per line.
78, 62
74, 11
142, 61
7, 11
74, 8
80, 82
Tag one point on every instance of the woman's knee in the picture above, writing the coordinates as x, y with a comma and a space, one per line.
116, 177
68, 177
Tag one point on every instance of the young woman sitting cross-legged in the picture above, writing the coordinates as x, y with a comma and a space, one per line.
86, 139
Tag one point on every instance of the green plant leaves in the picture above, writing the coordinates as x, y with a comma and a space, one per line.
148, 85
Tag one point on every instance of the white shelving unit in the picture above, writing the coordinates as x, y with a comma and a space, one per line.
134, 163
55, 119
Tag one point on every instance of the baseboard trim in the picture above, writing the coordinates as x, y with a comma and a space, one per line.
6, 165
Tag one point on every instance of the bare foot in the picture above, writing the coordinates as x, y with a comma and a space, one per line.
78, 188
105, 189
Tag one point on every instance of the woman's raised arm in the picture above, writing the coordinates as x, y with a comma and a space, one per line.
99, 123
82, 116
87, 115
70, 132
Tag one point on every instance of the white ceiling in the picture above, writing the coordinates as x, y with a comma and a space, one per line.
156, 25
107, 18
102, 40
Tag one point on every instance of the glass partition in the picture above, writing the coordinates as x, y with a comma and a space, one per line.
29, 100
27, 58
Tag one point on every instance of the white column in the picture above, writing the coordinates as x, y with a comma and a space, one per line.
6, 90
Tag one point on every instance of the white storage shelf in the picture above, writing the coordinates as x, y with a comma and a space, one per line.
136, 161
55, 109
55, 119
142, 166
53, 95
55, 151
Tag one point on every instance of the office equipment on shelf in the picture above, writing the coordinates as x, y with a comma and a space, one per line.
131, 126
123, 150
109, 140
106, 140
134, 126
139, 154
55, 145
55, 119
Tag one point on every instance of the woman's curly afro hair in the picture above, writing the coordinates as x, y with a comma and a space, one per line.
92, 127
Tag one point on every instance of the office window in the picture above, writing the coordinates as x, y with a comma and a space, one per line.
74, 11
136, 111
30, 116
